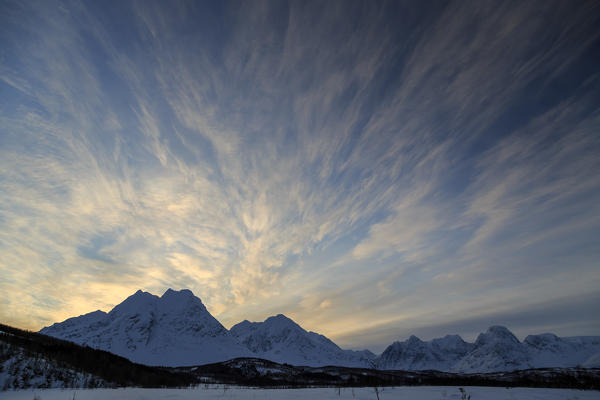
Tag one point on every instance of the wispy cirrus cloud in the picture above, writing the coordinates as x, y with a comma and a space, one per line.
321, 160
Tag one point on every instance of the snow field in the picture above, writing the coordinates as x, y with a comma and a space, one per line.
221, 392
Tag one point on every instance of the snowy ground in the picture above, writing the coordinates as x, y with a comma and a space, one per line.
220, 392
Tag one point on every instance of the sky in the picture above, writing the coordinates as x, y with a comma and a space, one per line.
370, 169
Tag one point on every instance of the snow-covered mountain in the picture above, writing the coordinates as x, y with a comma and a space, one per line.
280, 339
495, 350
549, 350
173, 330
415, 354
177, 330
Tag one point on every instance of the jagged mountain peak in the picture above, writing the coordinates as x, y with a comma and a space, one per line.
280, 321
279, 317
139, 301
183, 301
452, 338
452, 344
279, 338
498, 349
541, 339
273, 325
97, 314
183, 293
413, 340
141, 294
499, 330
172, 302
175, 329
449, 340
496, 333
415, 354
244, 325
277, 326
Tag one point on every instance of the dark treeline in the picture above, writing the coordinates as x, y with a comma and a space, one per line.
258, 372
113, 369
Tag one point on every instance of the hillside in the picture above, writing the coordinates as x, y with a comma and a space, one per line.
33, 360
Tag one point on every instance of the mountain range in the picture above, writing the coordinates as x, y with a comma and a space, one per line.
176, 329
172, 330
30, 360
282, 340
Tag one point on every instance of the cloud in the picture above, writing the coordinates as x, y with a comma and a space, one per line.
325, 161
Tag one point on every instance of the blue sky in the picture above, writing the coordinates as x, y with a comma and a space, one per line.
370, 169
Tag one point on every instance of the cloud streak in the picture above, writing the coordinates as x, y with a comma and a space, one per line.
321, 160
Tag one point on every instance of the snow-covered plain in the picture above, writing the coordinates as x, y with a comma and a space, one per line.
220, 392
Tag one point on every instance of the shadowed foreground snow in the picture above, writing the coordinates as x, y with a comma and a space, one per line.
220, 392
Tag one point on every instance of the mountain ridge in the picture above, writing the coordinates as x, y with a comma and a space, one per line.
280, 339
176, 329
30, 360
